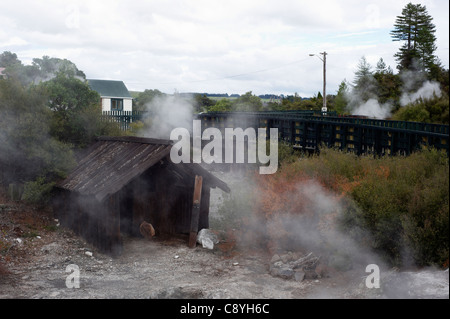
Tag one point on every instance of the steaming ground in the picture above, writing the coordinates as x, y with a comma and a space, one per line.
167, 268
153, 270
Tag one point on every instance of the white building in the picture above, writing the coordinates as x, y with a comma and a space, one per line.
114, 95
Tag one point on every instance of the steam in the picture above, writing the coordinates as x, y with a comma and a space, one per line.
306, 221
166, 113
364, 100
373, 108
427, 91
366, 103
314, 228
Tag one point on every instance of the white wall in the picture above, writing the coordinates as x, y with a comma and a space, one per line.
127, 105
106, 104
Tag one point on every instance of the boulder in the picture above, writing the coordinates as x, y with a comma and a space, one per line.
275, 258
279, 269
294, 266
207, 238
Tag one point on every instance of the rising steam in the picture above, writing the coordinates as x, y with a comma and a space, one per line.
414, 87
427, 91
166, 113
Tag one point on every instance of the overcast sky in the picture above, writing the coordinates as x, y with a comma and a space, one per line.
212, 46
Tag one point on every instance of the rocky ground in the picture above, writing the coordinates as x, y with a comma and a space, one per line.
37, 267
39, 259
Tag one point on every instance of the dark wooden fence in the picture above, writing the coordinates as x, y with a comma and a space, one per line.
308, 130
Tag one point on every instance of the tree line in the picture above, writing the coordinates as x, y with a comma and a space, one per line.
47, 113
417, 65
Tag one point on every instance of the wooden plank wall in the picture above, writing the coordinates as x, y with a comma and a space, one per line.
154, 197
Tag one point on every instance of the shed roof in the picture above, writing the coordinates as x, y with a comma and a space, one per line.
112, 162
110, 88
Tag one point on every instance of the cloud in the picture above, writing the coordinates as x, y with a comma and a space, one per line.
174, 44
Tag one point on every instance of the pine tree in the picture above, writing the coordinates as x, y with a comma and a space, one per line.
341, 100
388, 84
364, 84
415, 28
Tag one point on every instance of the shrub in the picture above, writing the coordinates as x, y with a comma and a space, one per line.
402, 202
38, 191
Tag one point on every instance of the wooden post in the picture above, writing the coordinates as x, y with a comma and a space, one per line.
195, 211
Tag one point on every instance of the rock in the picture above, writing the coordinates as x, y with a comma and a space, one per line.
207, 243
275, 258
279, 269
285, 258
207, 238
294, 265
88, 253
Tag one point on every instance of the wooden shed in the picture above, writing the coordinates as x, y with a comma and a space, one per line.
122, 181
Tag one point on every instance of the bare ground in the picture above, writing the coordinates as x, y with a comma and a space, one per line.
35, 267
35, 252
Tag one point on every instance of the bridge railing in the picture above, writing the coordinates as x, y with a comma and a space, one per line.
308, 129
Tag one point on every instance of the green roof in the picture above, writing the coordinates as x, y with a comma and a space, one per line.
110, 88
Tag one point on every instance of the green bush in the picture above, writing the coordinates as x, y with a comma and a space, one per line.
432, 110
403, 202
38, 192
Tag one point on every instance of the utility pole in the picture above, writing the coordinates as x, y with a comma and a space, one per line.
324, 109
324, 60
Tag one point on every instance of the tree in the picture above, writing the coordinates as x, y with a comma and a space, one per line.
8, 58
432, 110
27, 150
247, 102
41, 69
144, 99
364, 85
50, 67
223, 105
388, 84
341, 100
202, 102
414, 27
76, 111
441, 75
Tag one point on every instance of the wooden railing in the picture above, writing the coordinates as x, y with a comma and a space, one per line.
123, 118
